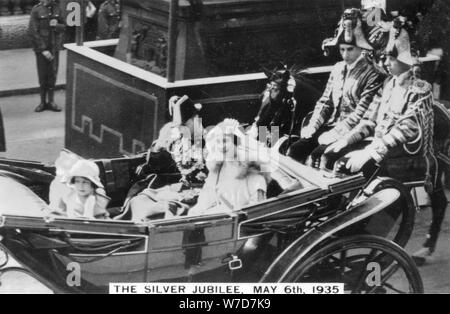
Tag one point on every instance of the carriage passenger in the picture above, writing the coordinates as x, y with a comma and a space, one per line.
350, 90
392, 119
180, 148
403, 116
87, 198
235, 177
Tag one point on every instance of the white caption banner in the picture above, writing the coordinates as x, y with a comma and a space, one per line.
223, 288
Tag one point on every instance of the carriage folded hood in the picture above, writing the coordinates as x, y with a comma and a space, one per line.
18, 200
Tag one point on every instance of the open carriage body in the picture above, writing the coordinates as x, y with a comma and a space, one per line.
272, 241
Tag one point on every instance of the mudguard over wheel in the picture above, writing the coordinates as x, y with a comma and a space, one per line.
365, 264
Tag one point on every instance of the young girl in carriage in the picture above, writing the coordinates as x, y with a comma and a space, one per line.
85, 197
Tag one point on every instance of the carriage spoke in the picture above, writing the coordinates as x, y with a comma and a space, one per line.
388, 275
343, 263
394, 289
362, 276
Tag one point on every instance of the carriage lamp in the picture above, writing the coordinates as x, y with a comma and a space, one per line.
234, 262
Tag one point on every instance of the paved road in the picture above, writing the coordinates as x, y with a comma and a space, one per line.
20, 65
30, 135
40, 137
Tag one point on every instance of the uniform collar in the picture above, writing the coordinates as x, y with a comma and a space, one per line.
403, 79
354, 64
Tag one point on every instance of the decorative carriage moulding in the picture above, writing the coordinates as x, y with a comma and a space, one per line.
218, 37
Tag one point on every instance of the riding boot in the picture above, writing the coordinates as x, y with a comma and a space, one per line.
438, 206
42, 106
51, 101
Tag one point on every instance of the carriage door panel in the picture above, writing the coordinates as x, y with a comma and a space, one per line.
192, 250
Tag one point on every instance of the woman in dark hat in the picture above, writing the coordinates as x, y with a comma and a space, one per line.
180, 148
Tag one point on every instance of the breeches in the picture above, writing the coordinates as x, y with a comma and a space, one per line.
47, 70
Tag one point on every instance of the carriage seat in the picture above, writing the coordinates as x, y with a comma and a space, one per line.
118, 175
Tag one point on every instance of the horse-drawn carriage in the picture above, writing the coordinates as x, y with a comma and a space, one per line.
313, 227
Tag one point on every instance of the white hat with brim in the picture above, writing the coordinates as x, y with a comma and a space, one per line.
86, 169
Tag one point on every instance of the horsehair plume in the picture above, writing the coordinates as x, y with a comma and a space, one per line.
298, 72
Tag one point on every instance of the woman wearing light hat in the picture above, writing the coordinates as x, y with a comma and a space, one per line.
87, 198
236, 178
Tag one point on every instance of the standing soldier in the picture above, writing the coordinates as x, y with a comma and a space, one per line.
46, 29
109, 19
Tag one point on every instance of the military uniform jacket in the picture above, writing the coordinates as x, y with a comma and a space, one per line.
45, 37
394, 117
347, 96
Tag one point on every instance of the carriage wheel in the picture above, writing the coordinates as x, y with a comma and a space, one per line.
4, 258
365, 264
395, 223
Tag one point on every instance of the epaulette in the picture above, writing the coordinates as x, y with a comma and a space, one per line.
420, 87
37, 5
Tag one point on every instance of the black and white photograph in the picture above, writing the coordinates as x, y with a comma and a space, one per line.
209, 149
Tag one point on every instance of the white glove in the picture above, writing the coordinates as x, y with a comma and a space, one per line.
308, 132
357, 160
327, 138
253, 132
48, 55
336, 147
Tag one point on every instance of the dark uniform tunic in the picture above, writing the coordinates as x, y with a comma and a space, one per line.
109, 19
45, 37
